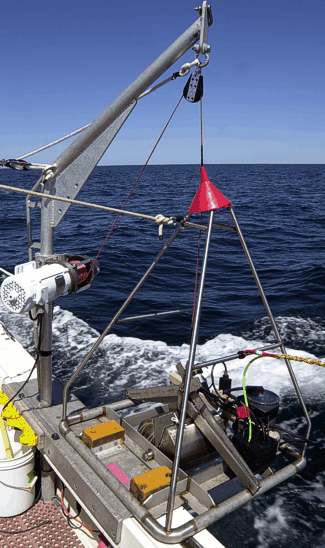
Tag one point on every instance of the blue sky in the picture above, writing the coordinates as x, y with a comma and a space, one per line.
63, 62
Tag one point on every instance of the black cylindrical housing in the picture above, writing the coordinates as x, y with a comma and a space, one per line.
264, 405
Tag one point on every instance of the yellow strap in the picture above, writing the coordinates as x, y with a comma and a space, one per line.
5, 438
13, 418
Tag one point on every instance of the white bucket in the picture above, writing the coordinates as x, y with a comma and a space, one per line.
16, 477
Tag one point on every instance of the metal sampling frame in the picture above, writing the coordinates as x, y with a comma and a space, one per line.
106, 500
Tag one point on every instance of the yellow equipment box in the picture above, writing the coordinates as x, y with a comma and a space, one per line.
145, 485
93, 436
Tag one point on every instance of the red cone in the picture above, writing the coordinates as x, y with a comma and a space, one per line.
208, 197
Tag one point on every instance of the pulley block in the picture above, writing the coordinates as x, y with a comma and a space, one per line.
193, 90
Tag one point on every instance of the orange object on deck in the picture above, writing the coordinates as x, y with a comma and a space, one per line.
93, 436
146, 484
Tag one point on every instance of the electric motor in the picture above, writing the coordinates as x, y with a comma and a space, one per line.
31, 286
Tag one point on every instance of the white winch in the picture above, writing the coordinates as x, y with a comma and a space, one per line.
31, 286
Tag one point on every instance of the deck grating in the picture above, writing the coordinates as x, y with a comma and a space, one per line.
56, 534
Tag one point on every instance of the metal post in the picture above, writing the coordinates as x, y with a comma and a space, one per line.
188, 377
45, 346
28, 218
114, 320
231, 357
277, 334
47, 480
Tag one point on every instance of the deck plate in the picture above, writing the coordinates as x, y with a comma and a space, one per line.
55, 534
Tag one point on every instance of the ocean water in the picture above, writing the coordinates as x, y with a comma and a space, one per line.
280, 211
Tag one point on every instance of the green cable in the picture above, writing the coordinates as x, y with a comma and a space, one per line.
245, 397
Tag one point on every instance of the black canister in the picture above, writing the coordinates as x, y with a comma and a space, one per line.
264, 405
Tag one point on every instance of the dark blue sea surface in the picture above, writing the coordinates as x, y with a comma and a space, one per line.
280, 209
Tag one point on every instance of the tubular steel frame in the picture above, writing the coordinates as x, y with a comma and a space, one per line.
165, 534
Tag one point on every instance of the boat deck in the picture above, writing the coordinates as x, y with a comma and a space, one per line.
100, 507
42, 526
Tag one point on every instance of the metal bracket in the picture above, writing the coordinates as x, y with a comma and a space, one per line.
203, 419
160, 423
172, 395
69, 183
206, 20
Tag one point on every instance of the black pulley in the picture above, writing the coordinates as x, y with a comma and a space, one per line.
193, 90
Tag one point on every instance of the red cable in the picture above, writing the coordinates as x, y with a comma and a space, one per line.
136, 182
265, 354
199, 242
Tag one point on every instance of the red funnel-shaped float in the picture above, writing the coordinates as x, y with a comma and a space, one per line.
208, 197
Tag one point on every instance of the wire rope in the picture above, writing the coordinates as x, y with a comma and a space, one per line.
199, 241
136, 182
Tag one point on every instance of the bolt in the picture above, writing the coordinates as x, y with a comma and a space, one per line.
55, 436
143, 486
21, 395
168, 475
113, 533
75, 486
148, 455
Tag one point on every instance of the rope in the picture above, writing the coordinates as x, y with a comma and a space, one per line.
172, 77
183, 72
286, 357
135, 184
298, 359
54, 142
21, 165
157, 219
186, 67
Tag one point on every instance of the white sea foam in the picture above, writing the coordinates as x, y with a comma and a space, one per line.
122, 362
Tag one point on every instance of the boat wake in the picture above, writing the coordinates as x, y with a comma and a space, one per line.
125, 362
271, 521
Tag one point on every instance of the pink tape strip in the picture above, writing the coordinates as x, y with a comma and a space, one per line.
102, 545
123, 478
